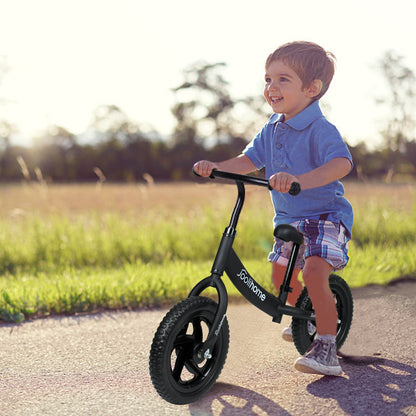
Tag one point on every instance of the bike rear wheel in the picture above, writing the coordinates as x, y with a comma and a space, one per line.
177, 375
302, 334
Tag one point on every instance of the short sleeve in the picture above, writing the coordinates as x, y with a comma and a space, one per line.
255, 150
330, 145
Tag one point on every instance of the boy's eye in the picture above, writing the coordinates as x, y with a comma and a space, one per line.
283, 79
268, 80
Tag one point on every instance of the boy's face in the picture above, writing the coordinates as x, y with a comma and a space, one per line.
283, 90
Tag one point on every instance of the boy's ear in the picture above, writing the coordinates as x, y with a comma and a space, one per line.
314, 88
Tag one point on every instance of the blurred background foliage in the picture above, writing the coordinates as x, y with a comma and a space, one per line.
210, 124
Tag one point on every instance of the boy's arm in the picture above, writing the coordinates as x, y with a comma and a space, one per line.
240, 164
335, 169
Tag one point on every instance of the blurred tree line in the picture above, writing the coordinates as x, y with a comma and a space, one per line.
210, 124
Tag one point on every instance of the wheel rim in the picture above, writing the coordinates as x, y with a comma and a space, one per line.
188, 374
344, 307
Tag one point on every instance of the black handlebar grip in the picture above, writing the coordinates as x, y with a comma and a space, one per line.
294, 188
212, 176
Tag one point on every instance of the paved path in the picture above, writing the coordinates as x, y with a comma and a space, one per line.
98, 365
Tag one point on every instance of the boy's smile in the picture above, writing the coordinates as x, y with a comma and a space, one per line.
284, 90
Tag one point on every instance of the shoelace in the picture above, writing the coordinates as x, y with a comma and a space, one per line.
320, 350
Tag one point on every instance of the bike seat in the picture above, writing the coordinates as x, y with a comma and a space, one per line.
287, 233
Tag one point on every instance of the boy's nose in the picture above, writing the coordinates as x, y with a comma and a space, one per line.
272, 87
273, 84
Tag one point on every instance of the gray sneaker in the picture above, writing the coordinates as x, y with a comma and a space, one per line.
287, 334
321, 358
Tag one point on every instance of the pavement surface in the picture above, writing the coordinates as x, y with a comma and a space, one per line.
98, 365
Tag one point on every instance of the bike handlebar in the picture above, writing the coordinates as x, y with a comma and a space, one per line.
252, 180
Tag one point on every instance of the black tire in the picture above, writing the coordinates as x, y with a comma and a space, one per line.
176, 375
344, 304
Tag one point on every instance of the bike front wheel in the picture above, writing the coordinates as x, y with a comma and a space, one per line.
176, 374
303, 331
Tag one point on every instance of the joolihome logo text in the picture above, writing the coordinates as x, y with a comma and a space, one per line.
244, 276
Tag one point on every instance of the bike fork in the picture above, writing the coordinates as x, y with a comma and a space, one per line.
204, 351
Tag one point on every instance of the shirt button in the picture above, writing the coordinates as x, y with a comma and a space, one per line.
279, 145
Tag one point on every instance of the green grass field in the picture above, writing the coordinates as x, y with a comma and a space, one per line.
77, 248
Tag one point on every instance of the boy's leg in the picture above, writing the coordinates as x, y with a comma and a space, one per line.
278, 274
321, 358
316, 277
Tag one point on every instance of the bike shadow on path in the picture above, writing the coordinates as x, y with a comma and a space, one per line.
370, 386
230, 400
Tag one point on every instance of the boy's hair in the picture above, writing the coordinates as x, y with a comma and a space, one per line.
309, 60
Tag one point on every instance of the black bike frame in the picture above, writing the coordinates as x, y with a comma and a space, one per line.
227, 260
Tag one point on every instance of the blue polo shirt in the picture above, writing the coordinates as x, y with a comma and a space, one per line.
297, 146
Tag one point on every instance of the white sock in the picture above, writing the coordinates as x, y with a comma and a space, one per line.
326, 338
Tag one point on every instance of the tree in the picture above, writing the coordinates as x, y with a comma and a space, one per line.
206, 111
111, 119
51, 153
401, 81
202, 114
209, 121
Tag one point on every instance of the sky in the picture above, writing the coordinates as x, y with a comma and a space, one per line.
66, 58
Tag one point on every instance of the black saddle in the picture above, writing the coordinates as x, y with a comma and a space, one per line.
288, 233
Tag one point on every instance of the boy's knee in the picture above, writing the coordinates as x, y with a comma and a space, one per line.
316, 269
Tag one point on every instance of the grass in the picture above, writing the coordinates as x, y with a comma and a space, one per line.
76, 248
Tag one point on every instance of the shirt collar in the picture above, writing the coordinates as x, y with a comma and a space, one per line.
302, 119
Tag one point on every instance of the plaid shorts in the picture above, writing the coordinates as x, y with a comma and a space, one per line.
322, 238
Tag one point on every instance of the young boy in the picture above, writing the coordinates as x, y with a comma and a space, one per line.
299, 145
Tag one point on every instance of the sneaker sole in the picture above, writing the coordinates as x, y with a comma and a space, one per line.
312, 367
287, 337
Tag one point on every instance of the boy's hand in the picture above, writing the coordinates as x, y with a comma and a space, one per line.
282, 181
204, 168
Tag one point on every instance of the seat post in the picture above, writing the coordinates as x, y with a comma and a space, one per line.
285, 288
